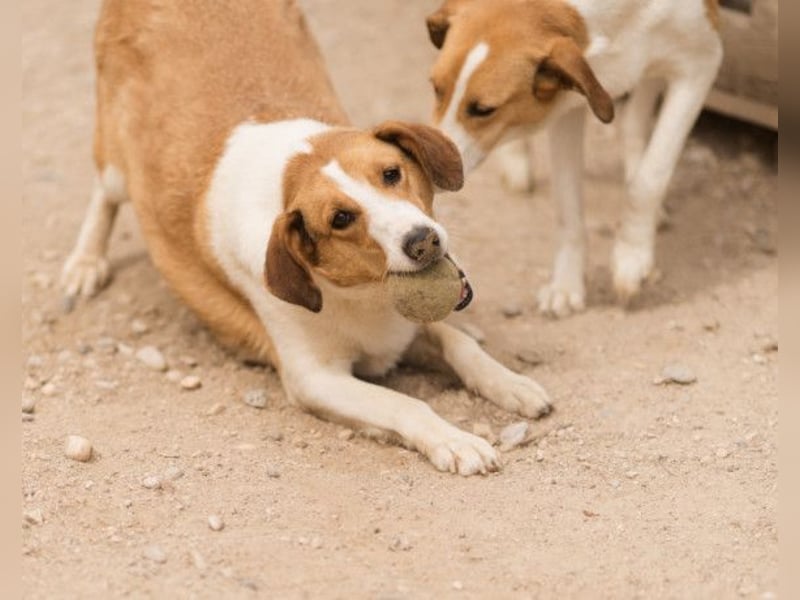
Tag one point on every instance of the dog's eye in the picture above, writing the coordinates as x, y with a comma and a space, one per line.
476, 109
342, 219
392, 176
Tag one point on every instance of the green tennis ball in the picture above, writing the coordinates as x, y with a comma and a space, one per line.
428, 295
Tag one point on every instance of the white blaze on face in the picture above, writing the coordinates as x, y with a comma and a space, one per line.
471, 152
389, 218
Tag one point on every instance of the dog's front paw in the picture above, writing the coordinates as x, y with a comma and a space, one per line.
632, 264
518, 394
559, 300
460, 452
83, 275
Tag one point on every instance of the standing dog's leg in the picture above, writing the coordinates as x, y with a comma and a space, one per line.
632, 258
636, 122
515, 165
86, 269
566, 292
487, 377
338, 396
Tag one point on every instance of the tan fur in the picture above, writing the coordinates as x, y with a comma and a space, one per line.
712, 12
172, 82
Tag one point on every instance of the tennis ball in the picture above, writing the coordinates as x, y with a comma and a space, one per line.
430, 294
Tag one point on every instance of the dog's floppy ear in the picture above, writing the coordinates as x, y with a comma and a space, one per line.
430, 148
285, 270
439, 22
565, 68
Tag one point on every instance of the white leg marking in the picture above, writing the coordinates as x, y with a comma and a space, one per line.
566, 291
515, 165
632, 258
86, 270
480, 372
339, 395
636, 122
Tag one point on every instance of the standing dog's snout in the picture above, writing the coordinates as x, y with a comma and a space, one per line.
422, 245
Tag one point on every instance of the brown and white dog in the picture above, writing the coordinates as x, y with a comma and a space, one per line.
271, 217
506, 69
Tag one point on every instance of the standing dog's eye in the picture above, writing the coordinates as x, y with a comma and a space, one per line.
342, 219
476, 109
391, 176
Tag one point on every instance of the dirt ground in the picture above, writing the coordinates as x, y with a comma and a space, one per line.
630, 489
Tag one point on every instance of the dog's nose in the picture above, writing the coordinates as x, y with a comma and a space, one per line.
422, 245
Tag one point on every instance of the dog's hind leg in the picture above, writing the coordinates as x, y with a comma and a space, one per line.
86, 270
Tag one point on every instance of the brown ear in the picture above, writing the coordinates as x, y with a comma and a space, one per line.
438, 23
285, 270
435, 152
565, 68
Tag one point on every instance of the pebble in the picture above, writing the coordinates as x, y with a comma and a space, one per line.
457, 585
759, 359
78, 448
257, 398
631, 474
316, 543
711, 325
151, 357
139, 327
400, 543
26, 417
677, 373
28, 404
513, 435
273, 472
345, 434
106, 345
151, 482
34, 361
215, 409
216, 523
723, 453
473, 331
511, 310
198, 560
172, 473
173, 375
615, 483
529, 357
189, 361
191, 382
539, 455
155, 553
49, 389
34, 516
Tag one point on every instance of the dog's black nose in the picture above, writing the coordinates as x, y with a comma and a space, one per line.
422, 244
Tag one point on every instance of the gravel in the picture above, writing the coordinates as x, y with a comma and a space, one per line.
34, 516
139, 327
257, 398
151, 482
345, 434
511, 310
676, 373
151, 357
49, 389
78, 448
156, 554
216, 523
513, 435
191, 382
172, 473
400, 543
28, 404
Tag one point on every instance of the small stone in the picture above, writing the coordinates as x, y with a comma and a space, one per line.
27, 418
34, 516
345, 435
529, 357
473, 331
151, 482
125, 349
198, 560
49, 389
316, 543
769, 344
172, 473
615, 483
457, 585
84, 348
139, 327
106, 345
511, 310
78, 448
273, 472
631, 474
28, 404
677, 373
257, 398
300, 443
274, 435
156, 554
400, 543
173, 375
711, 325
723, 453
539, 455
215, 409
189, 361
151, 357
191, 382
759, 359
215, 523
513, 435
34, 361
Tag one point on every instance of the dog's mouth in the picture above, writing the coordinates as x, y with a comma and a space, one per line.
466, 288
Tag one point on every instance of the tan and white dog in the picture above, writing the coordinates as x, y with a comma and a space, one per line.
507, 68
271, 217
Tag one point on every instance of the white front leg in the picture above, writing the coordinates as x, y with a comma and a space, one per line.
515, 164
487, 377
566, 292
337, 395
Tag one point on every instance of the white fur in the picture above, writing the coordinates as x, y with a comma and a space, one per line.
471, 152
389, 218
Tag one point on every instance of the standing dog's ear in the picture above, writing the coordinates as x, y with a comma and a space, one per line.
439, 22
286, 267
565, 68
430, 148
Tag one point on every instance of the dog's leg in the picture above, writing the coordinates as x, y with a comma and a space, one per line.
636, 123
338, 396
515, 165
566, 292
487, 377
86, 270
632, 258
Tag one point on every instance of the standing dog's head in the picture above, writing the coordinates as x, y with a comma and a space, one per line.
503, 64
359, 206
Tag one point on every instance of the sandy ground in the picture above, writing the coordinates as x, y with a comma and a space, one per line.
629, 489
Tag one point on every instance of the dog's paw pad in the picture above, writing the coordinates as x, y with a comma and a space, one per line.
463, 453
83, 276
